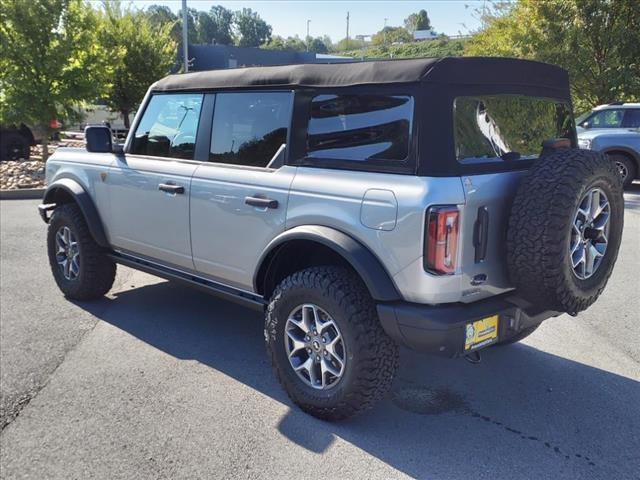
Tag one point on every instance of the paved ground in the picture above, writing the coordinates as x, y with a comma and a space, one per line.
157, 381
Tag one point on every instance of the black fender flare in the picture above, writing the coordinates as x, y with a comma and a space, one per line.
73, 189
361, 259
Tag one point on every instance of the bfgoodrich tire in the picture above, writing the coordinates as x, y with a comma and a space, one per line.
80, 267
564, 230
326, 344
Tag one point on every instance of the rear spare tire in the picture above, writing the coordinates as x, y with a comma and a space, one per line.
564, 230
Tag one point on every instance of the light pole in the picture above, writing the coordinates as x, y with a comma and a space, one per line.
384, 32
185, 37
308, 22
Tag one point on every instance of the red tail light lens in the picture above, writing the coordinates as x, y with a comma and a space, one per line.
441, 240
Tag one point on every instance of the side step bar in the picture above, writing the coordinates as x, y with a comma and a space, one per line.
223, 291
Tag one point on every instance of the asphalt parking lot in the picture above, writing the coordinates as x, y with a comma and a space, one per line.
158, 381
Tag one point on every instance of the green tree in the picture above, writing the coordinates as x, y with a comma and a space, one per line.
223, 20
160, 15
49, 61
139, 52
252, 31
389, 35
290, 43
417, 21
597, 41
347, 44
317, 45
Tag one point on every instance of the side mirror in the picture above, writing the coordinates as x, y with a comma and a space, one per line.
585, 125
98, 139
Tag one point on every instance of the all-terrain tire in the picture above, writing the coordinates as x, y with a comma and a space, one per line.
371, 356
626, 165
96, 271
541, 223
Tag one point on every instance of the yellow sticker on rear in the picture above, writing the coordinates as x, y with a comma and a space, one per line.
481, 333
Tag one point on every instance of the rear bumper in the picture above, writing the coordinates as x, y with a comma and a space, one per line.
440, 329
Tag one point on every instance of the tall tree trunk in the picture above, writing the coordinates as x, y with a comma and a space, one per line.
45, 146
125, 117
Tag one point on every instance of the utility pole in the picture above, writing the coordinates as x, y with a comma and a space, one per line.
384, 32
347, 45
185, 37
307, 39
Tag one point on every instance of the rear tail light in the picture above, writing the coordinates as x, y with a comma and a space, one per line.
441, 240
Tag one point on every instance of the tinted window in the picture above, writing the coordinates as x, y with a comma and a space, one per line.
489, 128
249, 128
632, 119
607, 119
360, 127
168, 127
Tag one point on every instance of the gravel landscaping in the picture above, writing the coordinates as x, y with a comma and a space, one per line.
22, 173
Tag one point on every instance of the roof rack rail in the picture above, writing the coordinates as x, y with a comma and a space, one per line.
616, 103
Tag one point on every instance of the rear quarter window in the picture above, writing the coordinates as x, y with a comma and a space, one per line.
503, 128
360, 127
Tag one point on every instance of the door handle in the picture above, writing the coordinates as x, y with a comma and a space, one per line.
261, 202
171, 188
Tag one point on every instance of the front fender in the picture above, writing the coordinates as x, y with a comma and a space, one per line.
363, 261
64, 190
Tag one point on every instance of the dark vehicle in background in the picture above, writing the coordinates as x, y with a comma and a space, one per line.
16, 140
614, 130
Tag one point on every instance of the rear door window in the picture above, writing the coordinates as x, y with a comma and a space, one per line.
501, 128
360, 127
168, 126
632, 118
607, 119
249, 128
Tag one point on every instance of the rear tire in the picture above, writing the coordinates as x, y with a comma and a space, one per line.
559, 256
626, 168
80, 267
370, 357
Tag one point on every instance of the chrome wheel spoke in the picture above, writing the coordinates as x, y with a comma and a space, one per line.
296, 343
589, 233
314, 346
67, 253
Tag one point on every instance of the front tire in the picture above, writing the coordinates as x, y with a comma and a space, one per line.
80, 267
326, 343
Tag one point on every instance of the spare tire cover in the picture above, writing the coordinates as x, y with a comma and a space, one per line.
564, 230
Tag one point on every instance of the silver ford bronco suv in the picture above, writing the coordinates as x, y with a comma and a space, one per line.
439, 204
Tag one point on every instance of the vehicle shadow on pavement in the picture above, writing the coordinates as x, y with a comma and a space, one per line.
519, 411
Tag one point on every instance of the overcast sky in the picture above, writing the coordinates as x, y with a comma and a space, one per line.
289, 18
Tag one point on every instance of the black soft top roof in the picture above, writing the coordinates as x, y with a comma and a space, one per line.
447, 70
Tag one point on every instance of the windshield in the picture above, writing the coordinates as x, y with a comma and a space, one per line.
583, 117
